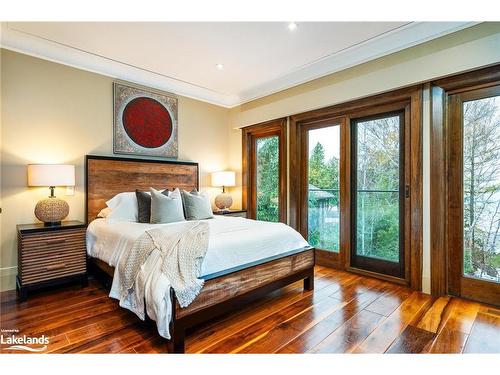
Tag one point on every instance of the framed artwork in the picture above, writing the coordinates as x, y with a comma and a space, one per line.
144, 121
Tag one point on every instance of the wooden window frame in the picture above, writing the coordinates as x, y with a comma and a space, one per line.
250, 134
410, 99
443, 241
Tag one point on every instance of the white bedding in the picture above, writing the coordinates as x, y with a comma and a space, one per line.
233, 241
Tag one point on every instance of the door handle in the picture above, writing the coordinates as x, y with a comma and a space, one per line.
407, 191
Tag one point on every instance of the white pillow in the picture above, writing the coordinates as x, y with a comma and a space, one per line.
123, 208
104, 213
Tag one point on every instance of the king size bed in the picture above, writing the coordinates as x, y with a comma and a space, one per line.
245, 258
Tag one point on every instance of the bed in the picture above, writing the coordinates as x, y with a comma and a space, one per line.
237, 269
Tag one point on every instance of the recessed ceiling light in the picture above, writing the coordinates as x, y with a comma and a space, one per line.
292, 26
219, 66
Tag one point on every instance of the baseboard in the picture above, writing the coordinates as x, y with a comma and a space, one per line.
426, 284
8, 278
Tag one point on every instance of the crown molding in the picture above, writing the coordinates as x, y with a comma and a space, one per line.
396, 40
385, 44
32, 45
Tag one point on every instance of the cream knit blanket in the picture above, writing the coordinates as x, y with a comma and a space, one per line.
182, 247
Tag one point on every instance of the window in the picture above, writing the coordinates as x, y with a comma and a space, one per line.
324, 188
481, 188
267, 178
466, 156
264, 171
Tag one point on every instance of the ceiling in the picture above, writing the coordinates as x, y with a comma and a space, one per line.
258, 58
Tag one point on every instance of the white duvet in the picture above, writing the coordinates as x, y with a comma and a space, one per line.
233, 242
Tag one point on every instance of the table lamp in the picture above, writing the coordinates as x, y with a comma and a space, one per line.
51, 210
226, 178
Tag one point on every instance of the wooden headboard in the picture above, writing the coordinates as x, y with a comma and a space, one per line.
106, 176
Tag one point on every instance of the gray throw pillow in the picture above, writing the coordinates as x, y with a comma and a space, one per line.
144, 205
197, 205
166, 209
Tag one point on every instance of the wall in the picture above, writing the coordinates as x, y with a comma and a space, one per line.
464, 50
53, 113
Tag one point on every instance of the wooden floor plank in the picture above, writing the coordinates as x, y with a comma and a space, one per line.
462, 315
454, 330
319, 332
448, 342
434, 318
389, 302
350, 334
389, 330
345, 313
233, 342
411, 341
286, 331
485, 335
233, 323
124, 338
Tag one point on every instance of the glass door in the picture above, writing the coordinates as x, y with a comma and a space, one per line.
323, 203
321, 182
378, 193
474, 195
264, 176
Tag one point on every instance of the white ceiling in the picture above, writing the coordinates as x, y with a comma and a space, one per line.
259, 58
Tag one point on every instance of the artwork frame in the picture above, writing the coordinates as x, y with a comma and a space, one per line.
144, 121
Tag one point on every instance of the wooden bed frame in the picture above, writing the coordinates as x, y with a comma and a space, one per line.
107, 176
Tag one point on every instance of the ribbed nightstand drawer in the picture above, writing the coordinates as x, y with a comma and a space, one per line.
64, 267
47, 254
42, 260
52, 240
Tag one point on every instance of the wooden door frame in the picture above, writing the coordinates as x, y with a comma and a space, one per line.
403, 114
440, 137
411, 97
323, 257
439, 167
249, 135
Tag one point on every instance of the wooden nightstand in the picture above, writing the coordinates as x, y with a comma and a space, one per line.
235, 213
50, 255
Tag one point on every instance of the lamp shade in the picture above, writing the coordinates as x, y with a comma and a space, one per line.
225, 178
51, 175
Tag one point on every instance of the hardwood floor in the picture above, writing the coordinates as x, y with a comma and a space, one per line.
346, 313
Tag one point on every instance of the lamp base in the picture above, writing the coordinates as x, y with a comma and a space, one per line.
51, 211
223, 201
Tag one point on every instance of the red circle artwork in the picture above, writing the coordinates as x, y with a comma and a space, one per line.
147, 122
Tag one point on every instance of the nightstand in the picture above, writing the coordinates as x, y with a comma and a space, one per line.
234, 213
50, 255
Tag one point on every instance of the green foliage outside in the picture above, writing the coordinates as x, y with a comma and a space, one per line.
481, 184
378, 212
377, 220
378, 169
267, 178
324, 183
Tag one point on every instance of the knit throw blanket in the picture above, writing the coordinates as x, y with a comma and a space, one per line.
182, 246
